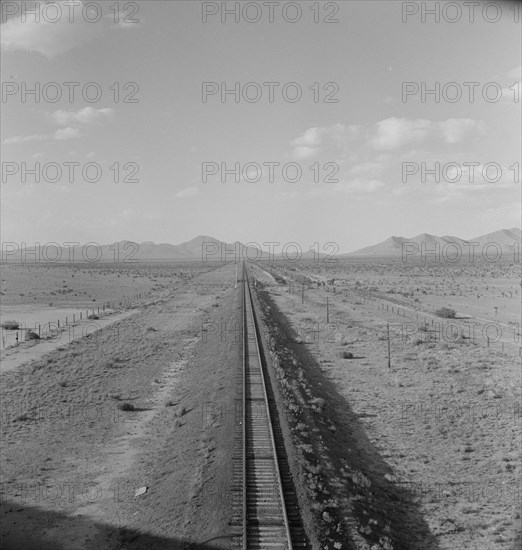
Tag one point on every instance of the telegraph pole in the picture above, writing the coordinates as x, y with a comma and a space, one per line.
327, 311
389, 354
235, 284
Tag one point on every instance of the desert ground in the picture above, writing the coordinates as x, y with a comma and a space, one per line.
122, 438
432, 443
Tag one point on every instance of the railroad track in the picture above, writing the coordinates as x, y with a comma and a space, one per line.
270, 514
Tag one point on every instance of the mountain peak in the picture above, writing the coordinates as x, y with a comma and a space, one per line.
392, 246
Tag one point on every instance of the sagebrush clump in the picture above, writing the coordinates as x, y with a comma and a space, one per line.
446, 313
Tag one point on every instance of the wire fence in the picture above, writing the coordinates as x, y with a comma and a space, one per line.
422, 327
15, 333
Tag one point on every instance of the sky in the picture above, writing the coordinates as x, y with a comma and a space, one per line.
156, 152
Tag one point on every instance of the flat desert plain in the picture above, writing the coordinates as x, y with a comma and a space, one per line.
421, 440
123, 438
87, 425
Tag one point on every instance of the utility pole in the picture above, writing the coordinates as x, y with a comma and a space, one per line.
235, 284
327, 311
302, 293
389, 355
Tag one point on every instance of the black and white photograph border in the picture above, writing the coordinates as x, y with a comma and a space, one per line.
260, 275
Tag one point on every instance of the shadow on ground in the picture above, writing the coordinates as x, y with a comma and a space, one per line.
24, 527
394, 510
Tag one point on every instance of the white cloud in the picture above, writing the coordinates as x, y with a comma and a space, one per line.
24, 139
371, 168
512, 93
186, 193
87, 115
367, 186
310, 138
394, 132
66, 133
456, 130
318, 139
126, 213
60, 134
362, 169
124, 216
516, 72
125, 25
60, 26
50, 32
304, 152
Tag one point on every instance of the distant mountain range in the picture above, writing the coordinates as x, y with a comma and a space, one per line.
205, 248
394, 246
202, 248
